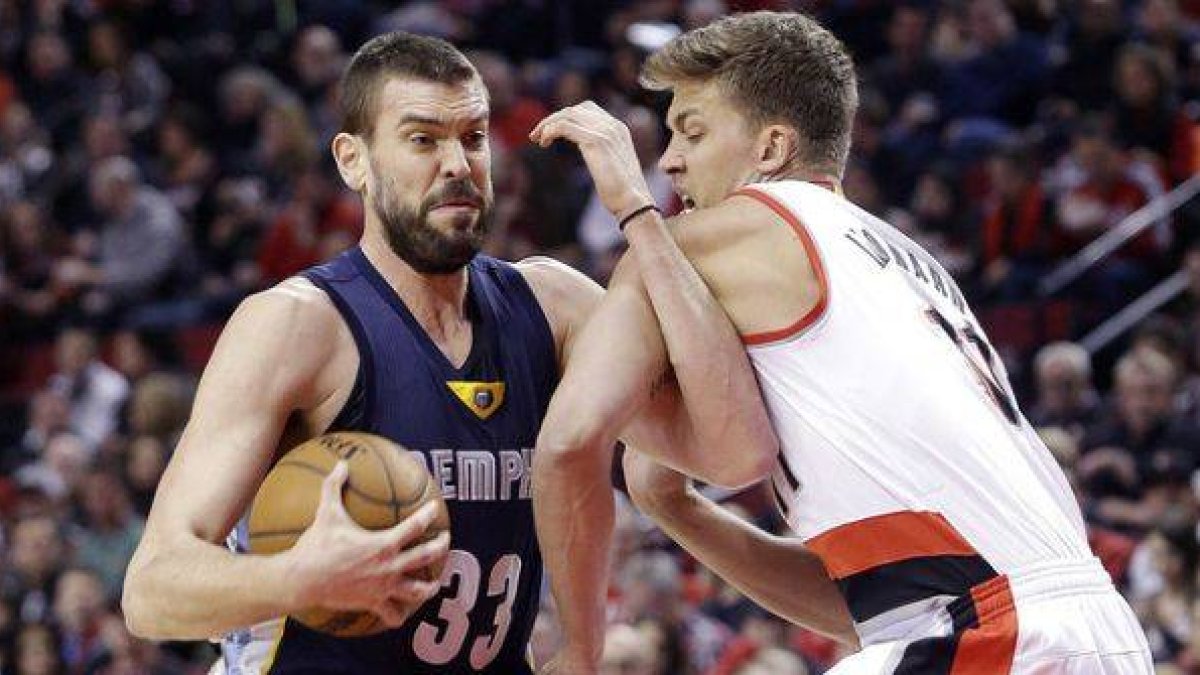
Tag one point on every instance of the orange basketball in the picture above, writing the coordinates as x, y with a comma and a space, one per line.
385, 484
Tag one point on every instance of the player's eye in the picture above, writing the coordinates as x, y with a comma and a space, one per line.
475, 140
421, 140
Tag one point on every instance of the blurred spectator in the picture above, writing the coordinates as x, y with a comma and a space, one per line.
321, 220
317, 60
1084, 73
1161, 24
1166, 610
245, 94
159, 406
103, 138
1138, 465
54, 89
1109, 188
36, 556
138, 353
26, 158
626, 652
286, 145
188, 167
907, 76
127, 83
1065, 395
58, 471
513, 115
1146, 114
38, 650
145, 463
1005, 76
939, 219
49, 414
229, 245
110, 529
142, 245
94, 391
1018, 223
123, 654
26, 296
79, 604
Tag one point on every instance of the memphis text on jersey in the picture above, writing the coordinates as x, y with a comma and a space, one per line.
480, 475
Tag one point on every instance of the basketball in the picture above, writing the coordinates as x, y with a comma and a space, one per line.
385, 484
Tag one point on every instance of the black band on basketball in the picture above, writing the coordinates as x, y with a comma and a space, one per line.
635, 213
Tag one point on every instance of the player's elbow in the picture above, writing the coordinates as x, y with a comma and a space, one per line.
569, 445
143, 604
136, 606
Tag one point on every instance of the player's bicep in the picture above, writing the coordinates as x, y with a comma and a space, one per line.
618, 355
260, 371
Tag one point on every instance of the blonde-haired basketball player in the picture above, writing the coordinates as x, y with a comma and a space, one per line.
920, 492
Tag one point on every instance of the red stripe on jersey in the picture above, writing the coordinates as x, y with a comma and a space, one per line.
989, 648
879, 540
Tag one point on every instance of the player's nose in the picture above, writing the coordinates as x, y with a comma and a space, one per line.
454, 161
671, 162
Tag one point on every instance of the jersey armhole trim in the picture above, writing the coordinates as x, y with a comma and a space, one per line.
366, 357
814, 260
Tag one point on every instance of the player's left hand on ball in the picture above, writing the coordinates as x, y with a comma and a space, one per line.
607, 149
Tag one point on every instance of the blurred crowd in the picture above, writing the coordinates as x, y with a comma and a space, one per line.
159, 160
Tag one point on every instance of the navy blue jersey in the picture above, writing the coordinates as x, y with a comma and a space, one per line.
474, 427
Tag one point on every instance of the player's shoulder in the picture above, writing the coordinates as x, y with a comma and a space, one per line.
554, 281
294, 316
741, 218
566, 295
296, 299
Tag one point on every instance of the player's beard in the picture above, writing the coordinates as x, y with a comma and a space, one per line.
418, 242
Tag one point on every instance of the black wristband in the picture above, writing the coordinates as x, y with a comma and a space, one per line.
635, 213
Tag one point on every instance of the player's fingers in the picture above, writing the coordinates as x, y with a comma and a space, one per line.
411, 528
331, 491
410, 592
566, 123
540, 128
422, 555
572, 130
390, 614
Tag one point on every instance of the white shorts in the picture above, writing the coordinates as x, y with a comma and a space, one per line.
1048, 619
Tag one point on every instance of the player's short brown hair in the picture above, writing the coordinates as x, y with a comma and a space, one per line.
396, 54
778, 67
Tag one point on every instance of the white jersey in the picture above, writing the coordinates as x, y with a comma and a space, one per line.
905, 464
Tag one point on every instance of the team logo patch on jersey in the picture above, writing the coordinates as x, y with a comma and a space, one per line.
482, 398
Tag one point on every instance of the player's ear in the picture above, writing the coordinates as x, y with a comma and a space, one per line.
350, 152
776, 147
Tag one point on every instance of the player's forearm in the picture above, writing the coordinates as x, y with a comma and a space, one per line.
573, 509
197, 591
719, 387
777, 573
